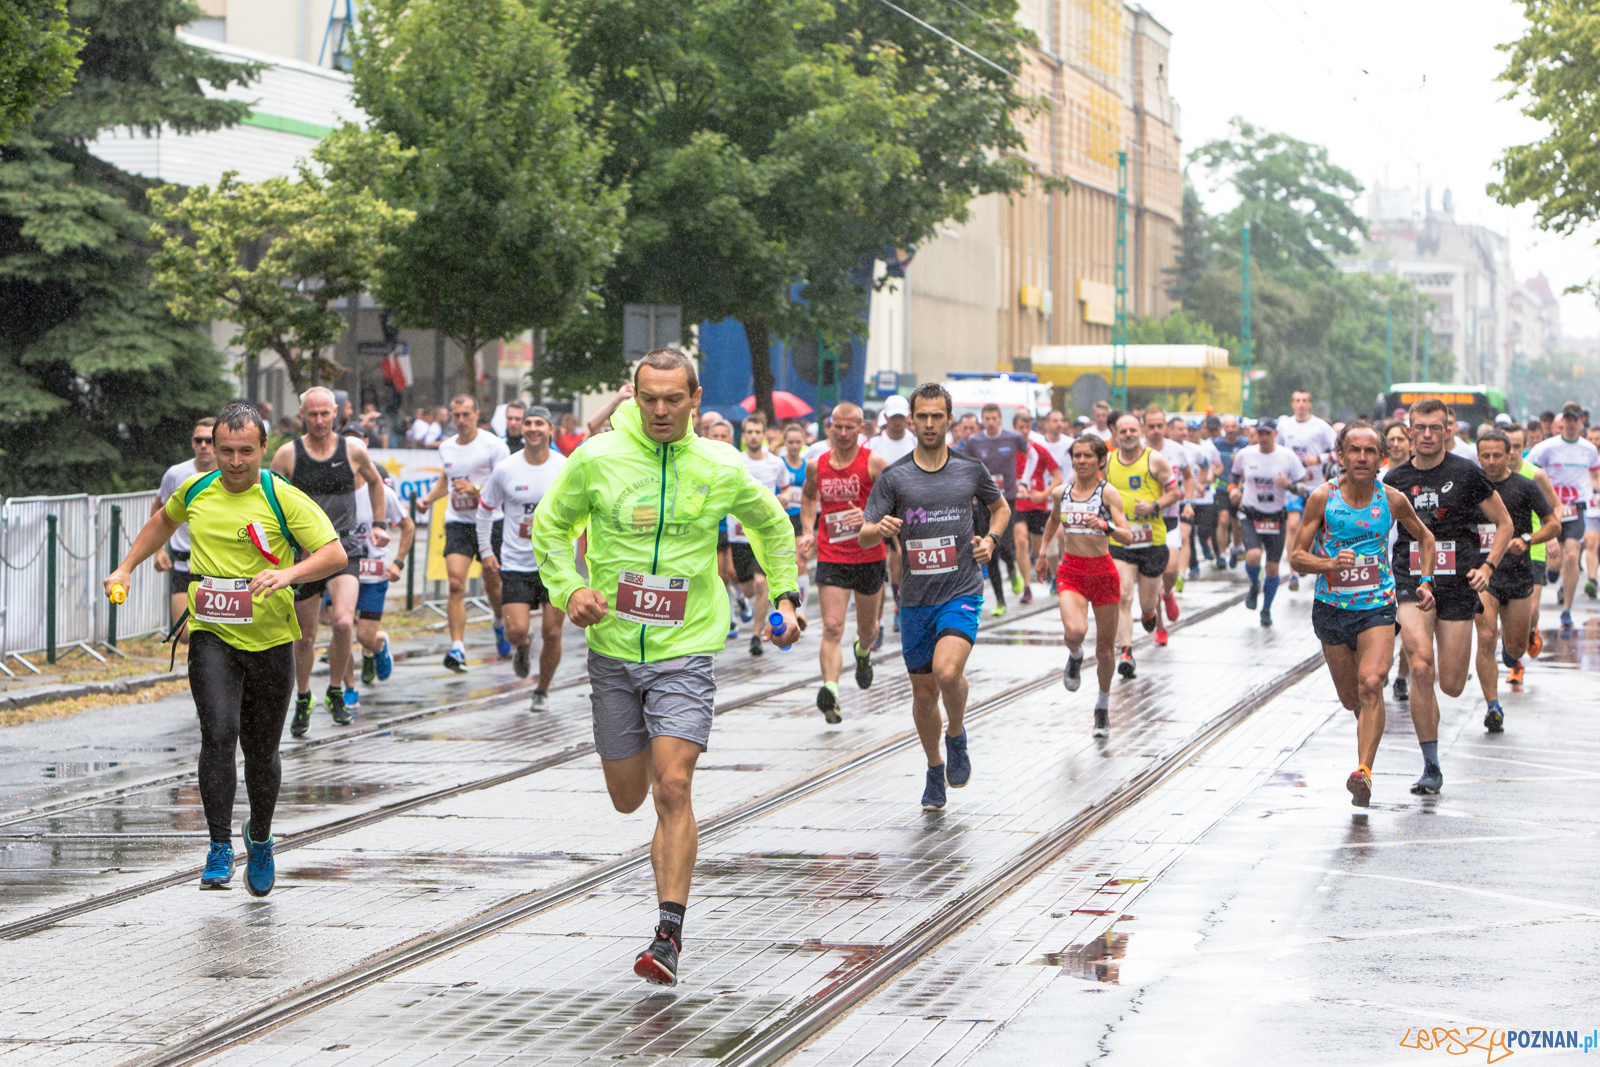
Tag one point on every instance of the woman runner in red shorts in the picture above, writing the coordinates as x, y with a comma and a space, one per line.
1085, 510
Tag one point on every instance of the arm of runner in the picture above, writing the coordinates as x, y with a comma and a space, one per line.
1544, 530
880, 502
808, 511
1052, 527
1118, 526
441, 487
157, 531
1495, 510
488, 500
1302, 560
283, 460
1167, 478
408, 535
361, 463
1400, 508
561, 516
772, 539
999, 516
603, 416
330, 558
163, 561
1547, 487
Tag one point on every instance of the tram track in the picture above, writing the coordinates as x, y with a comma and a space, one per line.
809, 1018
335, 827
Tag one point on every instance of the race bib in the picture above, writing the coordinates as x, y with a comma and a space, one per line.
1144, 535
999, 481
525, 527
1444, 558
652, 599
1365, 575
1268, 527
1569, 511
931, 555
1079, 518
225, 600
841, 529
373, 568
736, 530
1486, 536
463, 500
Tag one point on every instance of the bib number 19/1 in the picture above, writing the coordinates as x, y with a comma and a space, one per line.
652, 599
225, 601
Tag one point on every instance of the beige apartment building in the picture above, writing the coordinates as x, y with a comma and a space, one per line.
1039, 267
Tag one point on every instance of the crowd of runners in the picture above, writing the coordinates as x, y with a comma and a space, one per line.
660, 534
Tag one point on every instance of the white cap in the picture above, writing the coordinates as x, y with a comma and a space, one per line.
896, 405
1502, 419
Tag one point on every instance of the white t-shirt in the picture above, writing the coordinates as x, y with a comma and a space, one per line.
474, 462
816, 448
392, 510
1105, 435
424, 431
1060, 450
1258, 474
1178, 456
890, 449
515, 489
1204, 454
176, 475
767, 470
1311, 441
1465, 450
1569, 465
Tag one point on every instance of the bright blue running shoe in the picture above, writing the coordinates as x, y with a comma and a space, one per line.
385, 661
933, 792
957, 767
352, 696
259, 871
501, 645
219, 866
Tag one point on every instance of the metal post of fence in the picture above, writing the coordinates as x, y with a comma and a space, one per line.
411, 559
50, 589
115, 543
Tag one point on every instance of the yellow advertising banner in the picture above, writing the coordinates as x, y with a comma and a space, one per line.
436, 571
415, 470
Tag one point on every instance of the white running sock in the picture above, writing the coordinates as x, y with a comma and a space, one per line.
1103, 701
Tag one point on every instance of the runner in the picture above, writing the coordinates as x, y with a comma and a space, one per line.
1038, 474
1058, 442
739, 609
1397, 439
895, 441
650, 494
1591, 528
1101, 427
837, 486
769, 471
1155, 435
1573, 465
1519, 464
1085, 511
326, 467
1230, 539
375, 574
1206, 463
1264, 476
514, 489
1315, 443
997, 449
469, 456
926, 499
174, 556
516, 411
794, 443
1446, 491
1146, 483
1510, 593
243, 625
1344, 540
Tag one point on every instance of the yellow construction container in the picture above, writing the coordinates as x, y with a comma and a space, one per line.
1194, 378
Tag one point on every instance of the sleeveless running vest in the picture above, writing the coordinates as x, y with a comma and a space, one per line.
1075, 513
839, 491
1135, 482
1369, 583
332, 484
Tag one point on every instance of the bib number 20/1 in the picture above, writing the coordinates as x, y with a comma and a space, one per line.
652, 599
226, 601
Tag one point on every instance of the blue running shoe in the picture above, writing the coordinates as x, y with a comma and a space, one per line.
455, 661
958, 768
259, 871
746, 612
501, 646
352, 696
1494, 718
1566, 620
933, 792
385, 661
219, 866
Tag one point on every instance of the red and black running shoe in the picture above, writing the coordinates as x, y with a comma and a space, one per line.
659, 962
1360, 785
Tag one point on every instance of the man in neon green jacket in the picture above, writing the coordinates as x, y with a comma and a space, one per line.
653, 610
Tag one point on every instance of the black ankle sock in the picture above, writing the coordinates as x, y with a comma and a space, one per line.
671, 920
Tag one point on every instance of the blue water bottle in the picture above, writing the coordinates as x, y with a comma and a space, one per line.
775, 619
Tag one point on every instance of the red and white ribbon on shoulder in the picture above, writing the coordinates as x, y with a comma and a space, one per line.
258, 537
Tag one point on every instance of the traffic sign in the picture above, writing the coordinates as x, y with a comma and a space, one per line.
649, 326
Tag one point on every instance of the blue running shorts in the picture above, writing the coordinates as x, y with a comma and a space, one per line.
921, 629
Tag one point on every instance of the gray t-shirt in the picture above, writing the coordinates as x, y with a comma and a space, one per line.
999, 454
936, 540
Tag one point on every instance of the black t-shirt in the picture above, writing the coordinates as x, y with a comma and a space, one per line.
936, 540
1446, 499
1523, 498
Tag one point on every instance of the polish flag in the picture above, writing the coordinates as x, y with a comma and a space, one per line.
397, 368
258, 537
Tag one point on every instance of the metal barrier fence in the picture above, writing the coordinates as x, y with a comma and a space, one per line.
48, 548
147, 608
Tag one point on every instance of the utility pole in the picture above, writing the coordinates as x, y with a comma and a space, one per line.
1415, 313
1246, 355
1427, 343
1388, 350
1119, 330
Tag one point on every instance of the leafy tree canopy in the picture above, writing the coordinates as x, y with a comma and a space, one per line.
38, 56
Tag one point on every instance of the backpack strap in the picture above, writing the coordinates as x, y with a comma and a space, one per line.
200, 486
271, 493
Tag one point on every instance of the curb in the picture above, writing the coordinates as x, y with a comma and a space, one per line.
117, 687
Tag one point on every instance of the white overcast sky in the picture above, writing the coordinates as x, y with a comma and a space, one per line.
1349, 74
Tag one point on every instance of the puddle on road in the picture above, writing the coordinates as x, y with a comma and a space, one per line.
1578, 647
1098, 960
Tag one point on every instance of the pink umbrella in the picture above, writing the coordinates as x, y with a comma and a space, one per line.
785, 405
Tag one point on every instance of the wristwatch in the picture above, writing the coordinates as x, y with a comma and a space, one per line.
1426, 578
792, 597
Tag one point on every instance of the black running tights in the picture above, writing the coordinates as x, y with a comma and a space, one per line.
241, 698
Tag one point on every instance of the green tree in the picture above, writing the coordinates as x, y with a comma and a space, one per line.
1554, 68
101, 383
38, 56
274, 256
513, 225
769, 145
1179, 328
1195, 249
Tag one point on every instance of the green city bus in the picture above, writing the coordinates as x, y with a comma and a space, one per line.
1472, 403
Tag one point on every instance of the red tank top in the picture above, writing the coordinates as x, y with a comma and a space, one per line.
841, 490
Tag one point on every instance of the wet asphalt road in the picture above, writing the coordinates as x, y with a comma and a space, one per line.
791, 902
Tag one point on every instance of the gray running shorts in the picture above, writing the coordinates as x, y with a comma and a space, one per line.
634, 702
